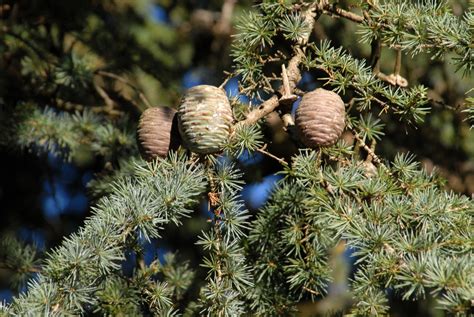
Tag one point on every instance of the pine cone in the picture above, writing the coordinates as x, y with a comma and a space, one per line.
157, 132
320, 118
205, 119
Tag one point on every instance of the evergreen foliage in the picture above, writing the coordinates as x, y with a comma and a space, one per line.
83, 274
66, 135
425, 26
405, 234
346, 231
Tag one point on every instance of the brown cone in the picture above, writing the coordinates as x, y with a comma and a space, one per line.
320, 118
157, 132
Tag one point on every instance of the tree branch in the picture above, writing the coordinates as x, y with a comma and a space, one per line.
374, 156
332, 9
109, 102
141, 95
292, 74
224, 24
265, 152
311, 291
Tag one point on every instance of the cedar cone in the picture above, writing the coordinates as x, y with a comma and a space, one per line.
157, 132
320, 118
205, 119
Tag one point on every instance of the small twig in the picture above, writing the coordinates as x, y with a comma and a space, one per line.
298, 92
264, 109
392, 79
228, 77
385, 78
263, 151
311, 291
108, 101
374, 156
396, 78
343, 13
373, 144
287, 97
376, 159
213, 199
224, 24
367, 16
286, 83
56, 308
223, 28
287, 120
142, 96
